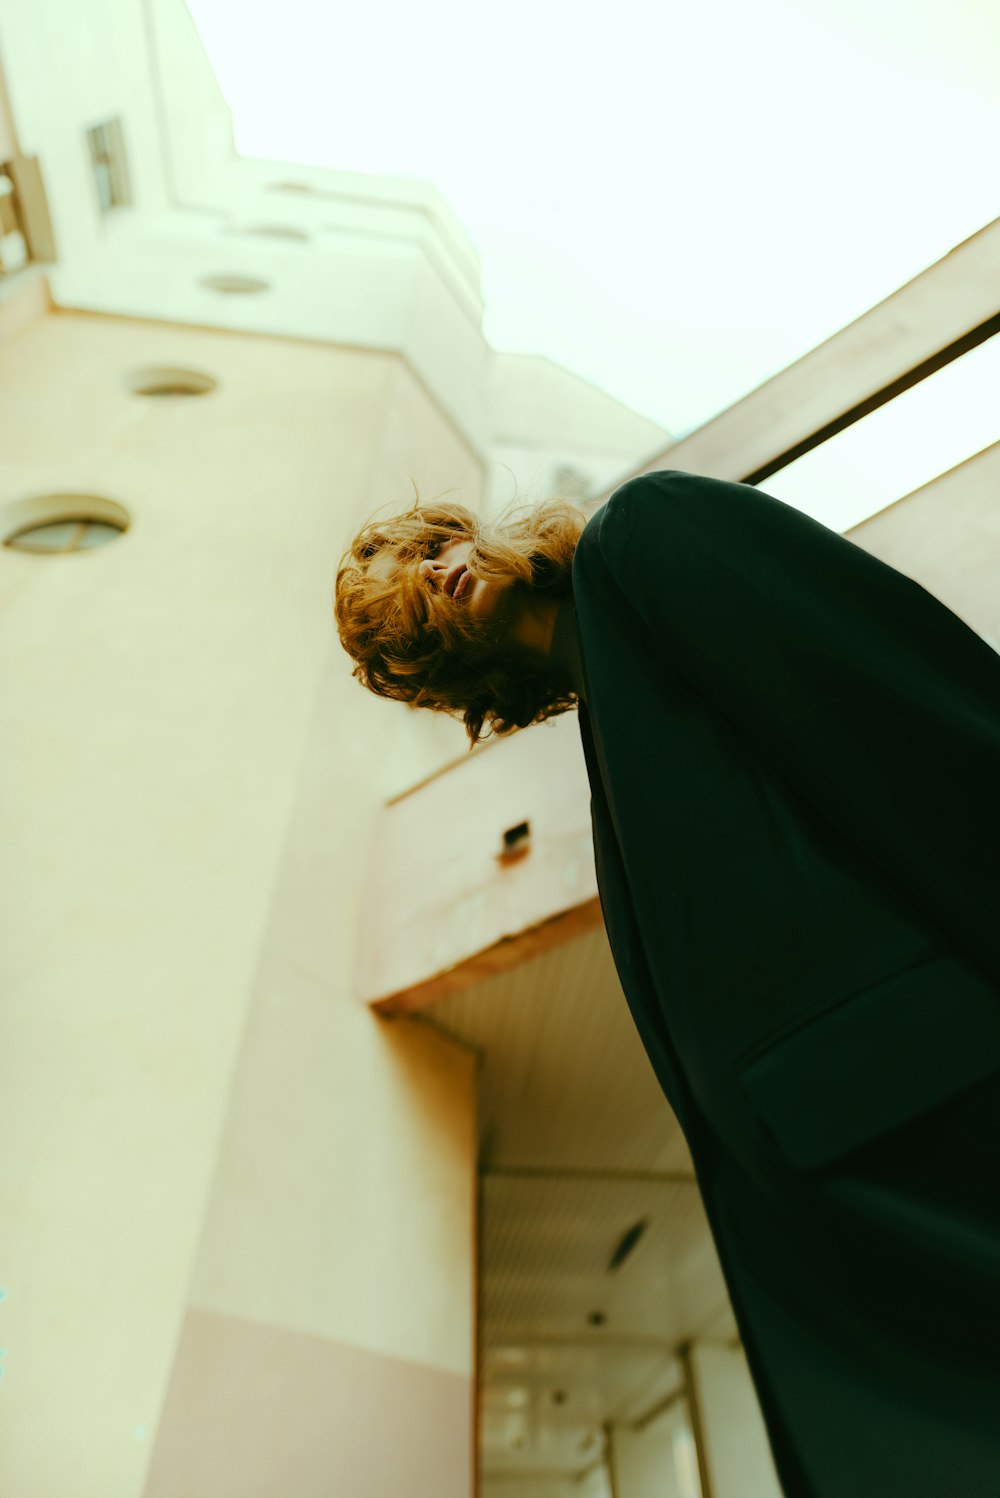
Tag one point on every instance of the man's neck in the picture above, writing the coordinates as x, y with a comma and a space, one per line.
564, 646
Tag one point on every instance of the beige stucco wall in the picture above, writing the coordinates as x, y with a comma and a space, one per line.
178, 1070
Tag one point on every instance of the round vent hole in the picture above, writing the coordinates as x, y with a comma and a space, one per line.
57, 524
234, 285
155, 380
271, 231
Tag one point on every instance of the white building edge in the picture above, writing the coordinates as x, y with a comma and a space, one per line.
381, 264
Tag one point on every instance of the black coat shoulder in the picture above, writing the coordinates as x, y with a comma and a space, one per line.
875, 701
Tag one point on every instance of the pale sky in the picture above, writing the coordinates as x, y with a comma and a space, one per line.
673, 200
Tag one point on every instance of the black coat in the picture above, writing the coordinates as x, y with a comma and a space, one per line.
794, 759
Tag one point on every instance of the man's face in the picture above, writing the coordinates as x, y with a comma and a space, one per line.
445, 573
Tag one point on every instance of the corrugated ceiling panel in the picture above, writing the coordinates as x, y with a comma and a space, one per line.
566, 1082
547, 1244
577, 1144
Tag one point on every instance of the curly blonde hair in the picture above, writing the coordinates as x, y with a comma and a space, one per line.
409, 645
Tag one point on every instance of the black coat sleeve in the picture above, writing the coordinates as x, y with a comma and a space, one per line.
866, 692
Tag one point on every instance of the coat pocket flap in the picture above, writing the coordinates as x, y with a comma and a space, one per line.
877, 1060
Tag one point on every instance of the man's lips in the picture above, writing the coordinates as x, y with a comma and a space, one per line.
458, 581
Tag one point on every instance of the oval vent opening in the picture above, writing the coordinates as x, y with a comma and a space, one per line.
163, 380
270, 231
58, 524
235, 285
